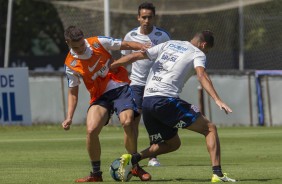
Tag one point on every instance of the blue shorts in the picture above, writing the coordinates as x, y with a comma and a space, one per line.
164, 115
117, 100
138, 92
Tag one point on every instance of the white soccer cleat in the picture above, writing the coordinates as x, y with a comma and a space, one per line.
224, 178
124, 167
154, 162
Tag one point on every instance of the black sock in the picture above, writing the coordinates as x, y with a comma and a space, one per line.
136, 157
96, 166
217, 170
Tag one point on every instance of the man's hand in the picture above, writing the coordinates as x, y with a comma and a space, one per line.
223, 106
66, 124
146, 46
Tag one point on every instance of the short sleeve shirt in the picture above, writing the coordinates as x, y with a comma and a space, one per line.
140, 69
175, 63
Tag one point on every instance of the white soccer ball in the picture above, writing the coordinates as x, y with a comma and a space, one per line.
114, 171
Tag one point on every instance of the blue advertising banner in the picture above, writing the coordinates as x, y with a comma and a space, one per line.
14, 97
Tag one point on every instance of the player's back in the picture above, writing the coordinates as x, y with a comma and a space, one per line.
175, 61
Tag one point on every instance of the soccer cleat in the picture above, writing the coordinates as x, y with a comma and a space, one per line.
224, 178
154, 162
97, 177
125, 166
141, 173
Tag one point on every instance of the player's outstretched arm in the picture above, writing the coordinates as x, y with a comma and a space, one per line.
128, 59
72, 102
208, 86
130, 45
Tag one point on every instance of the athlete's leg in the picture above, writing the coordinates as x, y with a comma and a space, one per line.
97, 117
130, 138
161, 148
130, 141
205, 127
136, 123
126, 109
137, 95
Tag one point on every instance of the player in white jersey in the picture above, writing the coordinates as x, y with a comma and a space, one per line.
146, 33
164, 112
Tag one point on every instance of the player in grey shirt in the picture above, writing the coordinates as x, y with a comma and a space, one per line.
146, 33
164, 112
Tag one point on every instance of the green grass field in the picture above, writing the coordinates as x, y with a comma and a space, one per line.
48, 154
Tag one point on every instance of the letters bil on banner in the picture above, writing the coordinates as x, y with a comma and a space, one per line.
14, 97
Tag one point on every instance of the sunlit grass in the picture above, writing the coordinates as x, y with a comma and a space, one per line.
48, 154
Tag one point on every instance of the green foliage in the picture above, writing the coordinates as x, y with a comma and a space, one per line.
48, 154
36, 28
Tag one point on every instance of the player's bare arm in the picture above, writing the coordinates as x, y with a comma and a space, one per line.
72, 102
208, 86
129, 45
128, 59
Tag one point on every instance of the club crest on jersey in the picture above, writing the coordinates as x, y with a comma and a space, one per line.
73, 63
158, 33
133, 34
96, 45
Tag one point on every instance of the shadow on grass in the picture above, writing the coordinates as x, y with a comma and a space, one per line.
189, 165
259, 180
208, 180
182, 180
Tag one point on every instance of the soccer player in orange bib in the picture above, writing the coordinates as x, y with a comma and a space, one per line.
89, 59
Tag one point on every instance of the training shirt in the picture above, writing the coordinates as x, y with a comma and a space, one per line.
93, 67
174, 65
140, 69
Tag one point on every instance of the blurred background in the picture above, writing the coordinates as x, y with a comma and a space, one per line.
247, 40
248, 32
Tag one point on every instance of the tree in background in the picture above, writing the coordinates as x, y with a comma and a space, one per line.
36, 30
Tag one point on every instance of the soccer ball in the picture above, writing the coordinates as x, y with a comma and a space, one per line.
114, 171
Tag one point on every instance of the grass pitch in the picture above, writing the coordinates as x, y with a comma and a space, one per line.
48, 154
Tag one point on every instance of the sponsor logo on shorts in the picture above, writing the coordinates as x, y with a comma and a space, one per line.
180, 124
195, 108
156, 137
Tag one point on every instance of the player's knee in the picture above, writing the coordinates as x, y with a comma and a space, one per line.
92, 131
126, 119
212, 127
126, 123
